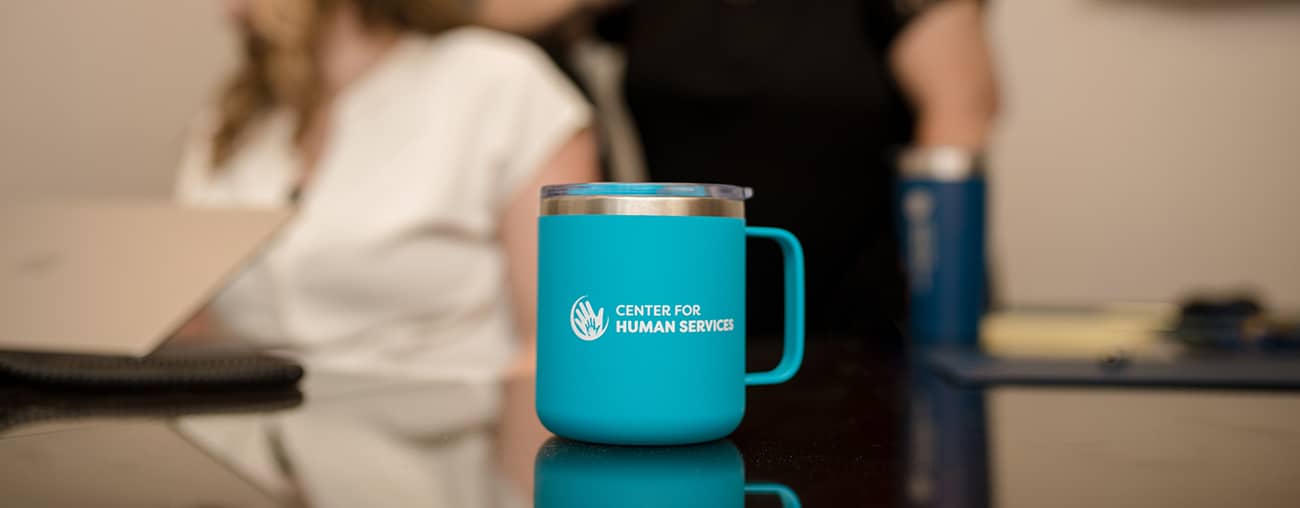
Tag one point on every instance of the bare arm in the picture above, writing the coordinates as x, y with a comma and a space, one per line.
943, 63
575, 161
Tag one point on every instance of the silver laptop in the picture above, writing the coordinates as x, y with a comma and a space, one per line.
116, 278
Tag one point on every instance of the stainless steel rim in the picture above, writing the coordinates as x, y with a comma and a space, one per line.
644, 205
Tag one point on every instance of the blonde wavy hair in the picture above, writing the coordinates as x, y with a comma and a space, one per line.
279, 65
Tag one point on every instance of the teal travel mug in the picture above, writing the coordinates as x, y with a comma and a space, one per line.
641, 311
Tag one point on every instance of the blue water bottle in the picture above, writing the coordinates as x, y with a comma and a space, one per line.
941, 204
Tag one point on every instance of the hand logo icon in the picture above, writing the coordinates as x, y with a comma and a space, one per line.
587, 324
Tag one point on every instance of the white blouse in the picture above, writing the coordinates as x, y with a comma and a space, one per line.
392, 261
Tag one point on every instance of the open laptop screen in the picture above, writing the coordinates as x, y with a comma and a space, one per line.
116, 278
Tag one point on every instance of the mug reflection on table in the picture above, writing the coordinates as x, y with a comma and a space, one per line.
570, 474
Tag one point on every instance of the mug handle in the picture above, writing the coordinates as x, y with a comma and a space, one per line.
787, 495
792, 358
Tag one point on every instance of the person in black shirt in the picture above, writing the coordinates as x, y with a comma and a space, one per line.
806, 101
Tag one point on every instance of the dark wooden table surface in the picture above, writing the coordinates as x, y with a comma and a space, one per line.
856, 427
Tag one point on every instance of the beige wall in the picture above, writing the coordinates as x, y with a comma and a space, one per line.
96, 95
1149, 146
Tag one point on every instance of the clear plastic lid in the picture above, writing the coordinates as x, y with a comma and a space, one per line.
620, 189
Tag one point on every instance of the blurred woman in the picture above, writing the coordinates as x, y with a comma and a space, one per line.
413, 150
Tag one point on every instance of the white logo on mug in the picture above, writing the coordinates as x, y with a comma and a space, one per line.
587, 324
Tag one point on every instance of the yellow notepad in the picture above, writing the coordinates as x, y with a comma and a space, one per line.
1091, 333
